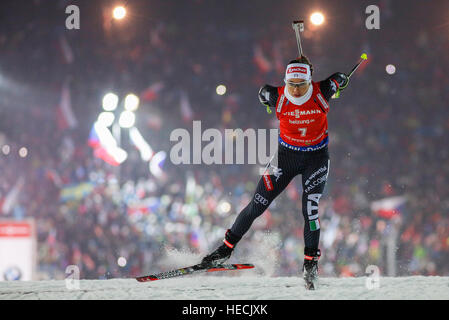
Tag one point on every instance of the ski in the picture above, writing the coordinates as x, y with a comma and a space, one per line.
198, 268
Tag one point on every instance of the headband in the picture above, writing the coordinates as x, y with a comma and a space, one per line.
298, 71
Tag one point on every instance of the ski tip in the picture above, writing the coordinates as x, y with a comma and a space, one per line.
218, 268
244, 266
230, 267
147, 278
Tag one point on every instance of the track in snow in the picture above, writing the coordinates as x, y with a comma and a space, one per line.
207, 287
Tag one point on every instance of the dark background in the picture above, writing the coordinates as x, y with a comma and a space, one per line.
387, 132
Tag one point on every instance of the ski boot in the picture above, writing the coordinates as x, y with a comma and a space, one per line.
310, 267
223, 252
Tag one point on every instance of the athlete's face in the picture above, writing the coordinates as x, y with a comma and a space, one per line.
297, 87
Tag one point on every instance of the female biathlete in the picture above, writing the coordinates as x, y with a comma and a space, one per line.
301, 106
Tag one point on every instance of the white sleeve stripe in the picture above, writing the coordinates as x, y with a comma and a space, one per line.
281, 102
320, 97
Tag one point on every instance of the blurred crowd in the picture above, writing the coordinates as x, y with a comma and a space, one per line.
385, 138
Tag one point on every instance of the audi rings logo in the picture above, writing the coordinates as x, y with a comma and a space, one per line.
259, 199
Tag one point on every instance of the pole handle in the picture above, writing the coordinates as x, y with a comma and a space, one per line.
298, 26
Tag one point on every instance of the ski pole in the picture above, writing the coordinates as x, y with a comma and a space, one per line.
298, 26
363, 58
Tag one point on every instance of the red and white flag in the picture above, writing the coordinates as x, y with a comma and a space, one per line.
388, 207
66, 117
54, 176
279, 64
10, 201
261, 61
101, 153
186, 109
152, 92
66, 51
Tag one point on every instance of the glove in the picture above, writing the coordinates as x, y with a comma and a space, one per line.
263, 98
342, 80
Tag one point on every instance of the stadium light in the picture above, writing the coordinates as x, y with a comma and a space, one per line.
110, 102
121, 262
391, 69
317, 18
224, 207
106, 118
23, 152
119, 155
146, 152
221, 89
6, 149
131, 102
119, 12
127, 119
156, 163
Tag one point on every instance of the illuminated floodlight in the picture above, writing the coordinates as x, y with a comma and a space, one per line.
157, 163
391, 69
118, 154
106, 118
221, 89
127, 119
23, 152
119, 12
131, 102
6, 149
146, 152
110, 102
317, 18
121, 262
224, 207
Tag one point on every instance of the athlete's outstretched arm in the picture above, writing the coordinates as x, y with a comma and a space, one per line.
337, 81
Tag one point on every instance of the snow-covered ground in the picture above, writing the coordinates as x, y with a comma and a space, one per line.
259, 283
232, 287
